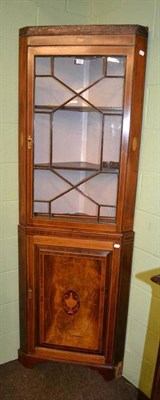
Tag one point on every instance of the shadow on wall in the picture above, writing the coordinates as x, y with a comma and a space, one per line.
152, 335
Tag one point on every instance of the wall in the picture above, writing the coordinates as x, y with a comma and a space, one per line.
13, 15
143, 326
143, 322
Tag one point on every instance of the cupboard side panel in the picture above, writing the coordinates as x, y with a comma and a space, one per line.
22, 129
22, 242
123, 300
112, 306
135, 133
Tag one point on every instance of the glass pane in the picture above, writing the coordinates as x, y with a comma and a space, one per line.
42, 65
107, 93
74, 203
76, 103
41, 139
48, 91
47, 185
107, 212
112, 138
115, 66
76, 136
78, 72
41, 207
74, 176
102, 189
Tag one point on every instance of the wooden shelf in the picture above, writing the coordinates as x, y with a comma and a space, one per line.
108, 167
70, 166
53, 108
75, 217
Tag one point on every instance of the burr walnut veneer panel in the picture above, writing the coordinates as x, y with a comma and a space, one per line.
72, 298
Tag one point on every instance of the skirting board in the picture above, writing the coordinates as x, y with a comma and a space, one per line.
142, 396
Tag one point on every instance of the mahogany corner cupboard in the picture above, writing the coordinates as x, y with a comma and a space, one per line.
80, 114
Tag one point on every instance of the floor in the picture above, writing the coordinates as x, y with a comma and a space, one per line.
58, 381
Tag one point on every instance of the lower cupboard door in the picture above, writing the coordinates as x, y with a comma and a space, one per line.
72, 299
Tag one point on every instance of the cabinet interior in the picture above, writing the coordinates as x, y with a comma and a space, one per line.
78, 117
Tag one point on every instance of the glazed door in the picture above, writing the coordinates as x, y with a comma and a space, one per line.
78, 126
